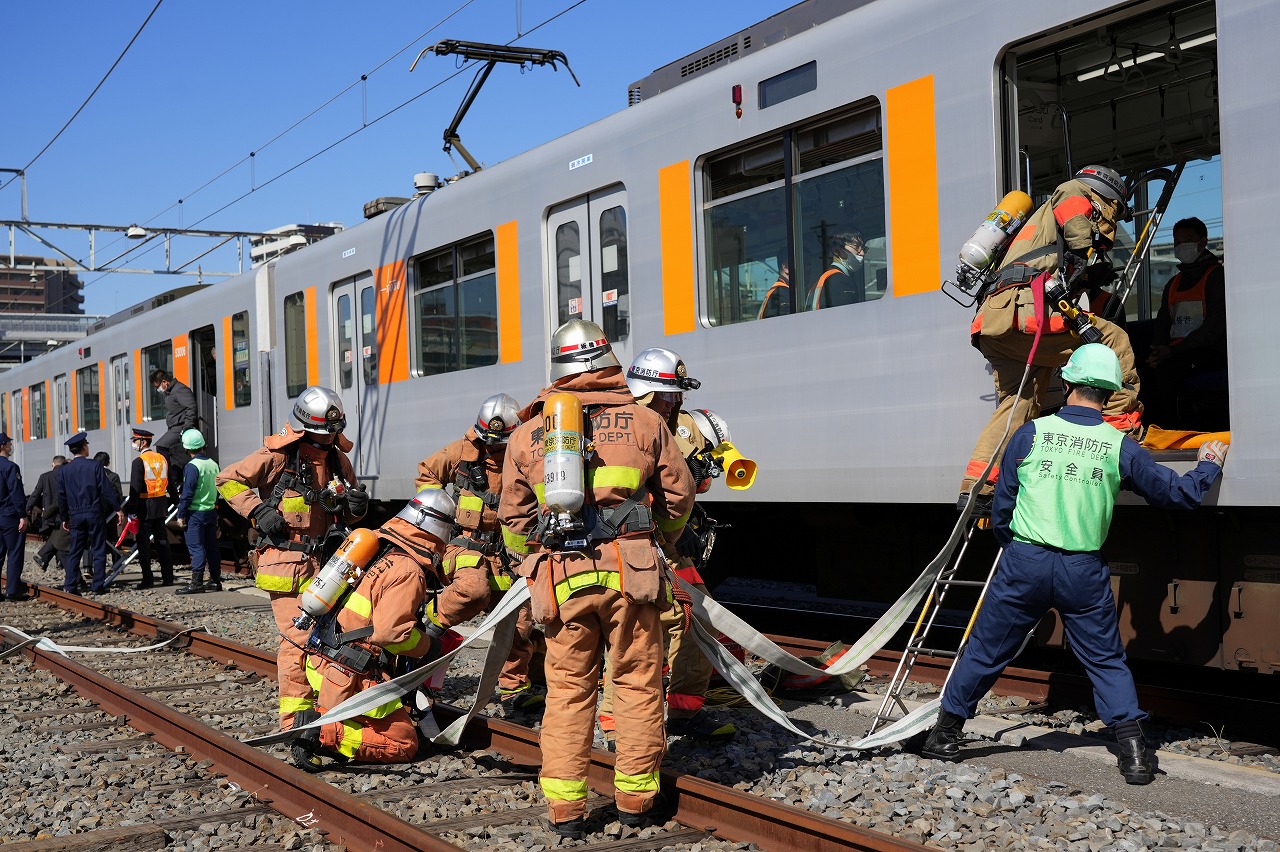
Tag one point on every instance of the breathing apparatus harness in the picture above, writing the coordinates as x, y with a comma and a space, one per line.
471, 478
299, 476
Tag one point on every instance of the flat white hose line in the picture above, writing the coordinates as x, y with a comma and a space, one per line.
44, 643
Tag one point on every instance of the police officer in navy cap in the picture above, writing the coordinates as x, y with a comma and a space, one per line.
13, 521
83, 490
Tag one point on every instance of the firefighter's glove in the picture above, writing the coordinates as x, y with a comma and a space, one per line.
1214, 452
267, 521
357, 501
1099, 275
689, 545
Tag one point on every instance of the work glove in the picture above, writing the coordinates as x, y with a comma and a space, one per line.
267, 520
357, 501
689, 544
1213, 451
1099, 275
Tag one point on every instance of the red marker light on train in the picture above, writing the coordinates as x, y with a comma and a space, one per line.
737, 99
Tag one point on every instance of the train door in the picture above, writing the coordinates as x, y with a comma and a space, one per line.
202, 348
588, 274
19, 425
62, 409
355, 333
119, 394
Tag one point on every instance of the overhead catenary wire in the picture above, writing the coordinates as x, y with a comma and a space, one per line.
80, 109
364, 126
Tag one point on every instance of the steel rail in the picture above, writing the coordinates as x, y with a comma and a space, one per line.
730, 813
291, 792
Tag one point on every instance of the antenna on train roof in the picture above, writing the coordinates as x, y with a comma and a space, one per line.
491, 55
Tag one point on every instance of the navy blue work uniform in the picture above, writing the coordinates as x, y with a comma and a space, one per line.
1034, 577
13, 508
83, 490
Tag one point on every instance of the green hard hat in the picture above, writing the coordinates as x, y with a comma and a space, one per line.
1094, 365
192, 440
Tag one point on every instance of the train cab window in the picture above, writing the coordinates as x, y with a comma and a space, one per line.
18, 414
38, 412
346, 343
89, 405
456, 304
240, 373
1140, 95
369, 335
158, 357
295, 343
616, 298
832, 172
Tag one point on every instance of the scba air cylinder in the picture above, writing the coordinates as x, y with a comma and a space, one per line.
343, 568
562, 454
996, 231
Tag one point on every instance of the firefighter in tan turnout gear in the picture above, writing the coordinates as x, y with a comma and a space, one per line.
591, 481
1076, 225
659, 379
474, 570
293, 490
361, 626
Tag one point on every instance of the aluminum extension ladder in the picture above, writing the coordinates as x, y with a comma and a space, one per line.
921, 642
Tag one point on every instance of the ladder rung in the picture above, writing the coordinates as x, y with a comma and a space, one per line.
932, 652
977, 583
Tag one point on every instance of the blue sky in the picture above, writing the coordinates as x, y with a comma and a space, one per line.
207, 83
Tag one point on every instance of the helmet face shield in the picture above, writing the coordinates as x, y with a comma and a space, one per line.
319, 410
498, 417
431, 510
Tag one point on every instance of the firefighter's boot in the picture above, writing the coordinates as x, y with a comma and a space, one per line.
944, 740
1134, 763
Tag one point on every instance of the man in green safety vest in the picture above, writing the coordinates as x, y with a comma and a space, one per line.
1058, 483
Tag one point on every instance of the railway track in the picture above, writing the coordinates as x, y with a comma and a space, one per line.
208, 688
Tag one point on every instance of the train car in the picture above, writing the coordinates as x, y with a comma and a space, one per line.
701, 217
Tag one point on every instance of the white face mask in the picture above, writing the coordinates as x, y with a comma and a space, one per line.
1186, 252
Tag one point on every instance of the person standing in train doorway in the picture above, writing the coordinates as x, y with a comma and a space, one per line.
293, 490
13, 521
1057, 488
180, 414
1076, 224
83, 490
633, 489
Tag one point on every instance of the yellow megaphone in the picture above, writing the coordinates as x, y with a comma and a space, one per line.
739, 471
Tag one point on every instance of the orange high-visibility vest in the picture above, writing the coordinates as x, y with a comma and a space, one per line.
1187, 307
156, 470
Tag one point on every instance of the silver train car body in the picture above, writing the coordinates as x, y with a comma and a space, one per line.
869, 404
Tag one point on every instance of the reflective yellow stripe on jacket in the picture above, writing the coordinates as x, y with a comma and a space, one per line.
470, 501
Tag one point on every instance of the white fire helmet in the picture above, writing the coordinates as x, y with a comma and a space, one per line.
659, 370
498, 418
318, 409
431, 510
1104, 181
711, 425
579, 346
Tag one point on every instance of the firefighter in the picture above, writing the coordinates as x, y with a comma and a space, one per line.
149, 493
286, 490
632, 487
474, 569
658, 379
353, 646
1053, 504
1082, 211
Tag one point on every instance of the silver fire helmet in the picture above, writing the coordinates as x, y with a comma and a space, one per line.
498, 418
711, 425
1104, 181
318, 409
659, 370
579, 346
431, 510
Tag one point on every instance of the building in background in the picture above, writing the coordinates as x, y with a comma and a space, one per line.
24, 289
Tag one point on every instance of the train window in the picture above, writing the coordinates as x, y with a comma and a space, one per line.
37, 414
833, 172
17, 417
4, 414
369, 335
614, 281
90, 407
456, 302
295, 343
788, 85
158, 357
346, 342
240, 359
568, 272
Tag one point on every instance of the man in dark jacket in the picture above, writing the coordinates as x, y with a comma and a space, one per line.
180, 414
44, 502
104, 459
13, 521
